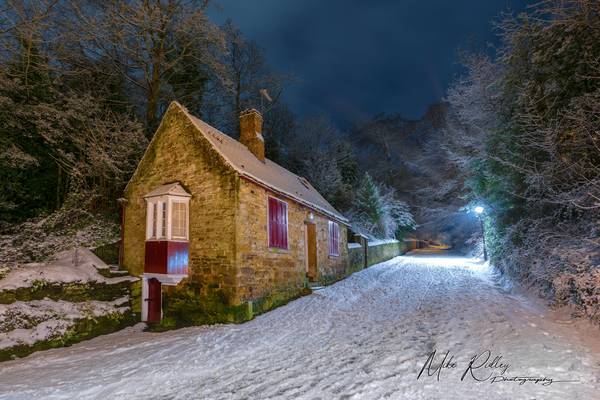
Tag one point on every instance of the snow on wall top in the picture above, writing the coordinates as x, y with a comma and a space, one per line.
378, 242
266, 173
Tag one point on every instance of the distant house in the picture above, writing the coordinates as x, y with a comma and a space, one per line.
220, 233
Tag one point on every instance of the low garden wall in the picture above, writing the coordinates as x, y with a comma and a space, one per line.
376, 252
356, 257
383, 250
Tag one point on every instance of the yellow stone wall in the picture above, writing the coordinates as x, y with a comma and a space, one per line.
180, 153
263, 271
231, 263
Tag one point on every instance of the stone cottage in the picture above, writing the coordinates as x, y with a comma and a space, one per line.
217, 231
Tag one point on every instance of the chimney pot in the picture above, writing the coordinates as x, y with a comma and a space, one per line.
251, 132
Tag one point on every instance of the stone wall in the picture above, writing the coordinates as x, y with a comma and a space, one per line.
266, 276
233, 272
179, 153
356, 257
377, 253
384, 251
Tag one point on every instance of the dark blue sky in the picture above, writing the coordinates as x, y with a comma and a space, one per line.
356, 58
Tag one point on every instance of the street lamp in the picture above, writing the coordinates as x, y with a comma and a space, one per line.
479, 210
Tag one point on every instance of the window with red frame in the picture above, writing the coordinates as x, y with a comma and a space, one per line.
334, 239
278, 224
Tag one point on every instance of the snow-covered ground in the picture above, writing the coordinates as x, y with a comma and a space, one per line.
25, 323
78, 265
366, 337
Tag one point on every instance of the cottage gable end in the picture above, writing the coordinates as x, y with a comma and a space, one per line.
187, 138
231, 156
181, 161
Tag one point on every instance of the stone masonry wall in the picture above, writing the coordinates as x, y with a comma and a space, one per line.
267, 276
233, 272
378, 253
179, 153
356, 257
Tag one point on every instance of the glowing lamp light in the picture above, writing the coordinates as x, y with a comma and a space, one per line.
478, 209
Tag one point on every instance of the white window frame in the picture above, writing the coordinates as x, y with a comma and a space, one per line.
187, 218
164, 226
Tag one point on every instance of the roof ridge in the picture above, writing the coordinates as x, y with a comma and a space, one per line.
270, 174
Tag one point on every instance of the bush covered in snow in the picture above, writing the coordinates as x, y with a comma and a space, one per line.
378, 213
561, 259
527, 141
37, 239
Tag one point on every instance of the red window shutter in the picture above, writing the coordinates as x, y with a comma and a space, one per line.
330, 226
272, 222
336, 234
337, 239
285, 226
280, 224
277, 223
334, 239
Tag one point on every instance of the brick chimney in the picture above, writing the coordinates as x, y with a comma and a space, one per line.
251, 132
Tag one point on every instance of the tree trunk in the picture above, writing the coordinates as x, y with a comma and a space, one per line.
152, 104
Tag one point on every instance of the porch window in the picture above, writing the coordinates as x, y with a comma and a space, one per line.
334, 239
154, 221
278, 224
163, 219
179, 220
167, 216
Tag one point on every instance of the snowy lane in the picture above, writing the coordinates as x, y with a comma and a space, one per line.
366, 337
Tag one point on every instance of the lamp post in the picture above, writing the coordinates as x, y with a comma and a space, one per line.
479, 210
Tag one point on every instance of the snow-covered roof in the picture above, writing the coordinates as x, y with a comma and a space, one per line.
173, 189
266, 173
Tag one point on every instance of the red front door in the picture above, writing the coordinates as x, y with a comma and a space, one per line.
154, 300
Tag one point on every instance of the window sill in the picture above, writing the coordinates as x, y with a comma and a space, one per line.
278, 250
166, 240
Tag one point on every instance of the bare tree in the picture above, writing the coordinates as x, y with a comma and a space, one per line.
247, 83
150, 44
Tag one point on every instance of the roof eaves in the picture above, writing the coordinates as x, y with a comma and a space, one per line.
246, 174
308, 204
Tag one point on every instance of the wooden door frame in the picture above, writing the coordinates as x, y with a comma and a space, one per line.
159, 299
306, 250
146, 297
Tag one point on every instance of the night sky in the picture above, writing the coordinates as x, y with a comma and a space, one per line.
357, 58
